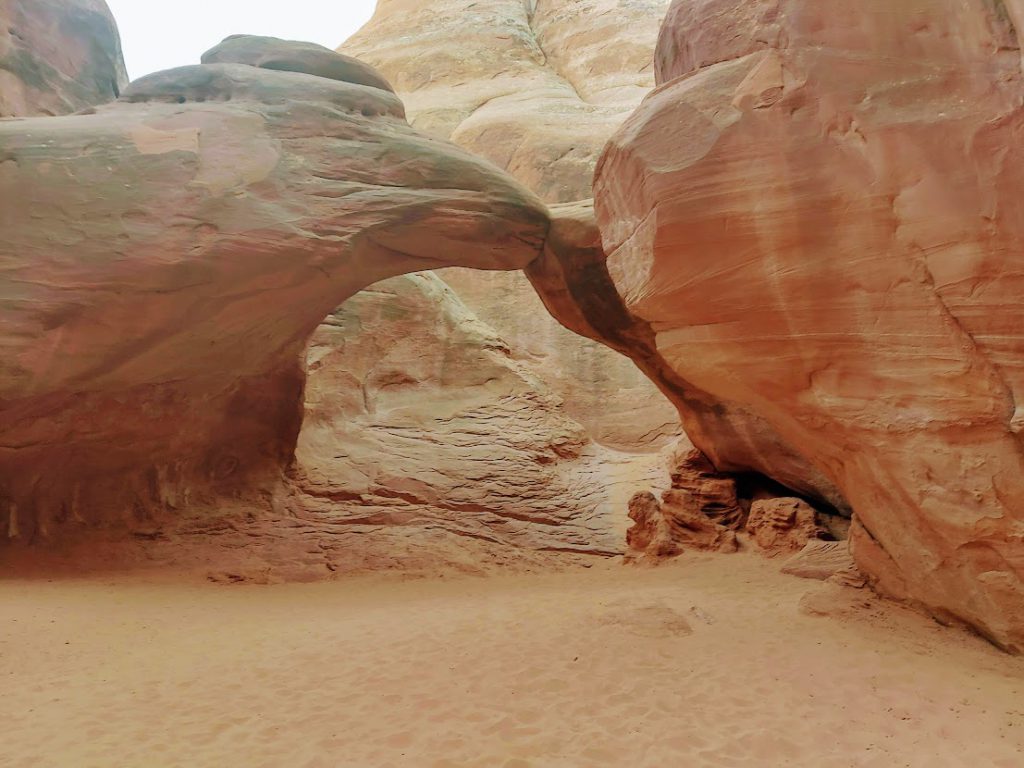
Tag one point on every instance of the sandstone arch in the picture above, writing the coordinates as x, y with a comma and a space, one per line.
197, 231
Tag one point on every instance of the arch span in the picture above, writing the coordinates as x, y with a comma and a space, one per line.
196, 233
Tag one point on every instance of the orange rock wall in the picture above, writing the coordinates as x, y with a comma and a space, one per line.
818, 212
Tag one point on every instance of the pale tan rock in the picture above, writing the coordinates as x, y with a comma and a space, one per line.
605, 392
418, 418
650, 536
194, 235
822, 225
820, 560
536, 88
57, 56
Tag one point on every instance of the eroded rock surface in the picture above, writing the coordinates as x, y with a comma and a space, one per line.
668, 528
295, 56
818, 213
57, 56
712, 492
783, 525
197, 232
536, 87
418, 419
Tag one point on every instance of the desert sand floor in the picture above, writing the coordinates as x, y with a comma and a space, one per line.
705, 662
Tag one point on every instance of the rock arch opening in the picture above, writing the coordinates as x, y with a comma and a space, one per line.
207, 223
198, 231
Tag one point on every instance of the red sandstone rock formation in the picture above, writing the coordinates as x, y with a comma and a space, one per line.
818, 215
57, 56
668, 528
196, 233
700, 511
814, 251
783, 525
712, 492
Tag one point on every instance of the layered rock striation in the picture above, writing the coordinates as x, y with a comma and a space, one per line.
420, 425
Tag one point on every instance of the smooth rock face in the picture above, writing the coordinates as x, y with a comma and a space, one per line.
57, 56
820, 217
196, 233
536, 88
294, 56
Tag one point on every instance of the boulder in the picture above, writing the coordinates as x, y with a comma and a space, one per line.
668, 528
818, 213
58, 56
713, 492
783, 525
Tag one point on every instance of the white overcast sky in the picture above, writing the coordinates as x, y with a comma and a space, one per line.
157, 34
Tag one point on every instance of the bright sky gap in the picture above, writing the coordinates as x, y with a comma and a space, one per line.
159, 36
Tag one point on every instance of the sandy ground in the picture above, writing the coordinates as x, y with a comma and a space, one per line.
706, 662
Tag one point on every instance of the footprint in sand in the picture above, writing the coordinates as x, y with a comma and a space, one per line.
702, 615
654, 620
